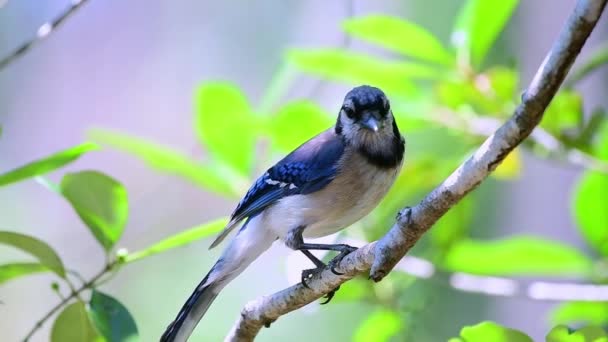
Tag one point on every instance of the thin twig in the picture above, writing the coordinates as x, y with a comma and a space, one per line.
43, 31
381, 256
74, 294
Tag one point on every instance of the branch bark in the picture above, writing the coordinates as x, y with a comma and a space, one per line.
381, 256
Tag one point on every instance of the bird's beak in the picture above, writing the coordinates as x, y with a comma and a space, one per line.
370, 123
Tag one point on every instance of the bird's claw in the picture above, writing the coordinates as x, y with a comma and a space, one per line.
330, 295
336, 260
308, 274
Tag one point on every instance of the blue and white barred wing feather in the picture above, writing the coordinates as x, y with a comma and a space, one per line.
309, 168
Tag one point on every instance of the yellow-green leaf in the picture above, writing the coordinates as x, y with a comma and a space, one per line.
399, 35
37, 248
180, 239
100, 201
490, 331
517, 255
510, 167
73, 325
478, 25
564, 111
297, 122
355, 69
561, 333
224, 124
19, 269
590, 203
581, 312
46, 164
380, 326
222, 180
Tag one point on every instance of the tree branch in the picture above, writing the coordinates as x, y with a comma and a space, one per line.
381, 256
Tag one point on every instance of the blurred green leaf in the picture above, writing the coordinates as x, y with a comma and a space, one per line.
112, 319
561, 333
224, 124
578, 312
504, 82
180, 239
311, 120
399, 35
73, 325
37, 248
464, 93
380, 326
478, 25
353, 290
100, 201
564, 111
601, 146
590, 214
490, 331
19, 269
222, 180
47, 164
518, 255
454, 225
355, 68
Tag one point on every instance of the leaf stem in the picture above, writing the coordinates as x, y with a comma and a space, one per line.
75, 293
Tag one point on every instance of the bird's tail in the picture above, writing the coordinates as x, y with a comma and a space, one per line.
251, 241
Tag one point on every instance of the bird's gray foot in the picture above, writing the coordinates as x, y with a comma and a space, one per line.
346, 250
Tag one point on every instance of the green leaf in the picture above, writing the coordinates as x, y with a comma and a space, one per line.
519, 255
490, 331
73, 325
100, 201
478, 25
590, 214
564, 111
454, 225
380, 326
600, 147
37, 248
224, 124
15, 270
561, 333
399, 35
297, 122
222, 180
578, 312
112, 319
180, 239
47, 164
504, 83
354, 68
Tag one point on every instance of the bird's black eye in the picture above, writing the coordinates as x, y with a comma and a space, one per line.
349, 112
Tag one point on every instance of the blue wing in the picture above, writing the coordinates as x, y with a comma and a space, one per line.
309, 168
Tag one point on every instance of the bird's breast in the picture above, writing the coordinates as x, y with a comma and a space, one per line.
354, 193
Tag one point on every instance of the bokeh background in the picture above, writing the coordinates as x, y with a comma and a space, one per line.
133, 66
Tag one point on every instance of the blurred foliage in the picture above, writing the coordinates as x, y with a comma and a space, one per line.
442, 98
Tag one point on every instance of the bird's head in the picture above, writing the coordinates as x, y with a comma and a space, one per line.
366, 119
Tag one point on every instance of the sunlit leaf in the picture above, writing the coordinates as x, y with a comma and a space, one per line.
73, 325
504, 82
180, 239
380, 326
518, 255
37, 248
590, 203
454, 225
581, 312
311, 120
353, 290
478, 25
19, 269
215, 178
510, 167
465, 93
355, 69
100, 201
112, 319
564, 111
490, 331
47, 164
224, 124
562, 333
399, 35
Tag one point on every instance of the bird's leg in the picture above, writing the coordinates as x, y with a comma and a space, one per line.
295, 241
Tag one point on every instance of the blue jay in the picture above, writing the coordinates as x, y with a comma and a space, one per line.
325, 185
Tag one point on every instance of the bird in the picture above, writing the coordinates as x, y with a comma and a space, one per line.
325, 185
